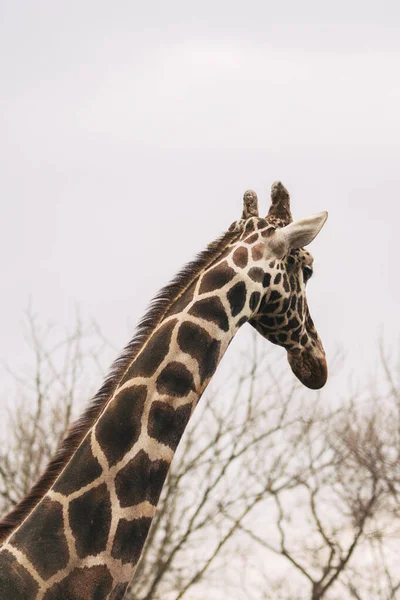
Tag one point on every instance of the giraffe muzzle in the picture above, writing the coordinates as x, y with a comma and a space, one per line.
310, 367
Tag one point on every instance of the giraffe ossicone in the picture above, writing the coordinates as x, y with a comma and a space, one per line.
80, 532
250, 204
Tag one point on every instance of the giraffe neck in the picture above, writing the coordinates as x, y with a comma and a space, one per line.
85, 537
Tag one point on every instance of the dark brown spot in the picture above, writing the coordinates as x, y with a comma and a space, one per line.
119, 427
195, 340
254, 300
256, 274
274, 296
82, 470
166, 424
216, 278
211, 309
300, 306
44, 530
141, 479
278, 278
252, 238
286, 286
237, 298
129, 539
257, 252
90, 520
241, 257
175, 380
241, 321
153, 353
15, 581
87, 583
249, 225
266, 280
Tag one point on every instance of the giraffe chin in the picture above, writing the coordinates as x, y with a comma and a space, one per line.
309, 368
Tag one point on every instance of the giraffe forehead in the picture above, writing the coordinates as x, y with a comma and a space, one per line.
257, 231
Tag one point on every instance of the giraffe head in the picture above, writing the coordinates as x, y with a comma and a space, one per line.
272, 252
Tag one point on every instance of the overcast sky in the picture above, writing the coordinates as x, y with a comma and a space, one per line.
129, 131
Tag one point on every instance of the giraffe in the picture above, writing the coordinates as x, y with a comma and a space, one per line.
79, 533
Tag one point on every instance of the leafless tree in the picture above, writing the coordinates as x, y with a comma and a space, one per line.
274, 493
49, 393
338, 529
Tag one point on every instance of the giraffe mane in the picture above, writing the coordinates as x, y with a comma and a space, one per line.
157, 309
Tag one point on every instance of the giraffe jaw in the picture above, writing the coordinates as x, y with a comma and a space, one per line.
310, 367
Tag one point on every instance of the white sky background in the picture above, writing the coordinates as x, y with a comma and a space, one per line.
130, 130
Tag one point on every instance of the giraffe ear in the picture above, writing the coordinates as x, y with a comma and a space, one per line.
297, 234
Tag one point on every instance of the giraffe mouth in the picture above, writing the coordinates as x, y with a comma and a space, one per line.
310, 367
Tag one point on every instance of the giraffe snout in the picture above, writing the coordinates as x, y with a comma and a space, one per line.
310, 367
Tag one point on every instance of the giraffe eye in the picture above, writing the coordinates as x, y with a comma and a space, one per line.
307, 273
